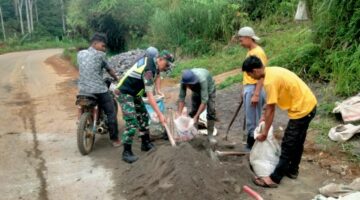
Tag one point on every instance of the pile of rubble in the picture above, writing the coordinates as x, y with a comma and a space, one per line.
124, 61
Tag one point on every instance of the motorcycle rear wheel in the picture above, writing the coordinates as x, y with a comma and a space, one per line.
85, 136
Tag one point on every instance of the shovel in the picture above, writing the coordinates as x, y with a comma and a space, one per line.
235, 115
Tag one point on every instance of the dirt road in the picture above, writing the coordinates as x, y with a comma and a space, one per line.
39, 158
38, 154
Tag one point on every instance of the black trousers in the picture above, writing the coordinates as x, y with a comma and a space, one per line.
292, 147
196, 101
106, 103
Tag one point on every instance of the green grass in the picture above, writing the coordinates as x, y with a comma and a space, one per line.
71, 54
230, 81
227, 59
275, 41
321, 126
13, 45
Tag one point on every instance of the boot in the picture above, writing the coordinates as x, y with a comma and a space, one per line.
250, 142
164, 135
210, 130
146, 144
128, 156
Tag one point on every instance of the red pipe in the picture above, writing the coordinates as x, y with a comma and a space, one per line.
252, 193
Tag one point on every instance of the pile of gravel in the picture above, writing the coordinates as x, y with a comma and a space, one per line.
124, 61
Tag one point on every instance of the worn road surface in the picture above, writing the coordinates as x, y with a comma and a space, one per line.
39, 158
38, 153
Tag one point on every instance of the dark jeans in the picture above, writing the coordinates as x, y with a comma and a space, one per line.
292, 147
196, 101
106, 103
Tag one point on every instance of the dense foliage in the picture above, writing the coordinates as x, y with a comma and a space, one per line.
46, 17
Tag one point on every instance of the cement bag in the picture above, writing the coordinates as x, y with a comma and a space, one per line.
342, 191
203, 123
352, 196
349, 109
184, 127
343, 133
155, 127
301, 11
264, 156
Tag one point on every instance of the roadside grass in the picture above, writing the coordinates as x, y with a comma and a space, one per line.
229, 58
230, 81
277, 42
12, 46
325, 120
71, 54
350, 148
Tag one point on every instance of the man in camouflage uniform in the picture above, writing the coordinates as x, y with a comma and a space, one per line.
138, 81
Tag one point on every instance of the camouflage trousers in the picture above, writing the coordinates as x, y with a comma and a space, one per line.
135, 116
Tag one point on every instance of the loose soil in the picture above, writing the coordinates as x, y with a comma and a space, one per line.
187, 172
183, 173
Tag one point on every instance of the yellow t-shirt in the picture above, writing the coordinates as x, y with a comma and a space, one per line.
289, 92
258, 52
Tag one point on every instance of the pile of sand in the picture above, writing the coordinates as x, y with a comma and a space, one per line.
183, 172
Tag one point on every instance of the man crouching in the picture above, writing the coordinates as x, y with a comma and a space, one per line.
202, 85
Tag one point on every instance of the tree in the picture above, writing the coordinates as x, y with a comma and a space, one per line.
63, 17
2, 24
27, 15
19, 4
31, 5
36, 12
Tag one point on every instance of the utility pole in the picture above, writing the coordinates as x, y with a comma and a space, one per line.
2, 24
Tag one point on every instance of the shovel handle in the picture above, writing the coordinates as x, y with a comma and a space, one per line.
170, 136
230, 153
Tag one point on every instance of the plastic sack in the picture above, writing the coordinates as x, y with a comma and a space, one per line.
265, 155
203, 123
155, 127
184, 127
349, 109
352, 196
343, 133
301, 11
338, 190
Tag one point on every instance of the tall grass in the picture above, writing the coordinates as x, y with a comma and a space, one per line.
195, 27
336, 30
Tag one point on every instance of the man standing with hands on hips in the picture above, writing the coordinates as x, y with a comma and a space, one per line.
286, 90
254, 95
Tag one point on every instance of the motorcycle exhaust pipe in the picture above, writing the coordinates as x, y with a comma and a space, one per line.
100, 130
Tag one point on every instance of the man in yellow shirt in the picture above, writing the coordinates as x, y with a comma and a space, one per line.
254, 96
286, 90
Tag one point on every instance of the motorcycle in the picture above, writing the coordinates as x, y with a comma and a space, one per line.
92, 120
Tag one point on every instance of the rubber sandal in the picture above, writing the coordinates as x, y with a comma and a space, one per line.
260, 182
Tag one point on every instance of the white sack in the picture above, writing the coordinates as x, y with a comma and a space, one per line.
264, 156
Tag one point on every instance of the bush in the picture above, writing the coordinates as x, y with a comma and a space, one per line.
300, 59
262, 10
336, 28
345, 70
192, 26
